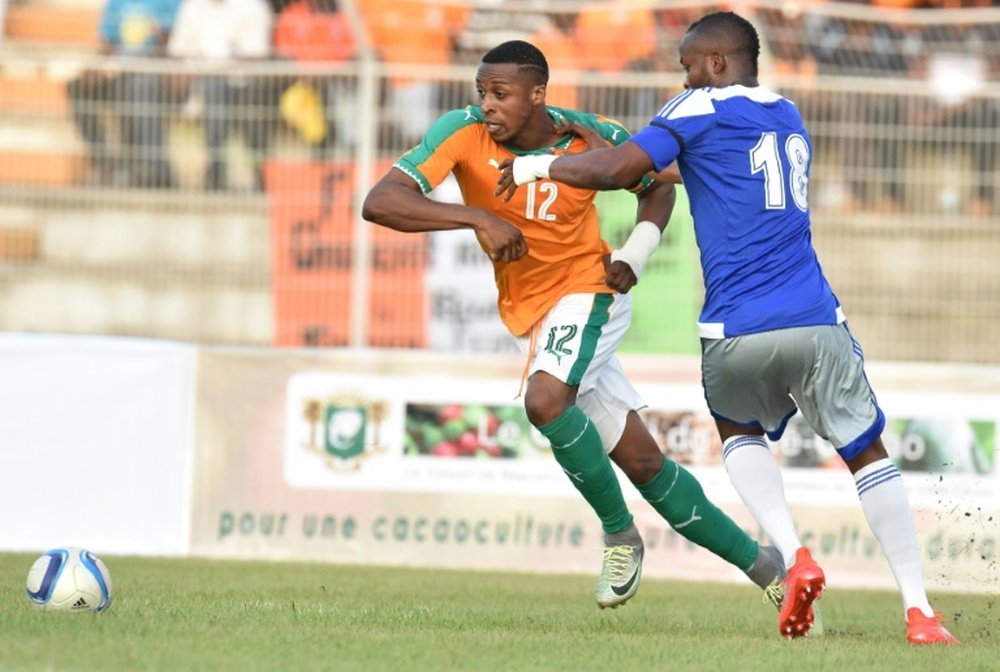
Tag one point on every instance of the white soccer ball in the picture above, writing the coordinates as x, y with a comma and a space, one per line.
69, 579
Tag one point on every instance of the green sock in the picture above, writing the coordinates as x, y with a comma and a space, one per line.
579, 451
677, 496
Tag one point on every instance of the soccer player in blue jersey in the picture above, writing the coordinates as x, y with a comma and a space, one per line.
774, 338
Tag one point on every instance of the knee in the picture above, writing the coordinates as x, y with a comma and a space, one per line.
543, 403
873, 453
542, 409
641, 465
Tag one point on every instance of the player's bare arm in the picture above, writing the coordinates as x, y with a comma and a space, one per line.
671, 174
603, 169
397, 203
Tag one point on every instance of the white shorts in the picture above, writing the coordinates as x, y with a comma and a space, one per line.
576, 342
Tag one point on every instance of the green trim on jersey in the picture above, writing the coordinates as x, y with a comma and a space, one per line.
447, 125
610, 130
599, 316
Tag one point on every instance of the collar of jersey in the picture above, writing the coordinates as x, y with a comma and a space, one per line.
563, 143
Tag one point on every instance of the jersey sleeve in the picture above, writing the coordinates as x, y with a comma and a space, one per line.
440, 150
679, 124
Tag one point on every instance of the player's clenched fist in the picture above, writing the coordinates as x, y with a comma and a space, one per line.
501, 240
619, 275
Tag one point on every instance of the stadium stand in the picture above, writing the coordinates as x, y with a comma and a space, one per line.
316, 32
901, 97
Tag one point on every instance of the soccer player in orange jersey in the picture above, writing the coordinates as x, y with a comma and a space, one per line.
564, 295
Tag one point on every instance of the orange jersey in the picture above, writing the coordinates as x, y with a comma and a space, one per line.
558, 222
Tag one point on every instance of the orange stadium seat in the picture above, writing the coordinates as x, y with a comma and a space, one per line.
560, 52
33, 96
405, 31
40, 168
610, 35
71, 26
18, 243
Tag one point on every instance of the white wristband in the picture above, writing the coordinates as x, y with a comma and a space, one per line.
532, 167
641, 243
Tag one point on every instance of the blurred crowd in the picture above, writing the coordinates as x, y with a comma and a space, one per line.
602, 39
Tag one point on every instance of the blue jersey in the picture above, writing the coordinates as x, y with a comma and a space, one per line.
744, 157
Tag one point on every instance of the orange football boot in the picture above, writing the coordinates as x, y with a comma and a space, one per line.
921, 629
803, 586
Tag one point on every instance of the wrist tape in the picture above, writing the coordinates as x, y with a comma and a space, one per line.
641, 243
532, 167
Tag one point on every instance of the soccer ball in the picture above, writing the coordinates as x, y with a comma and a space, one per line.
69, 579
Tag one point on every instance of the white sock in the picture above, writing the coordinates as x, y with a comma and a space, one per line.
757, 478
887, 508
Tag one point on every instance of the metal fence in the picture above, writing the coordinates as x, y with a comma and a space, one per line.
160, 199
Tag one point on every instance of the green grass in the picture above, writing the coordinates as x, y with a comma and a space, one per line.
173, 614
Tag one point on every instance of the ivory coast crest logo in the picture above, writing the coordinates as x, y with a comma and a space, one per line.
345, 429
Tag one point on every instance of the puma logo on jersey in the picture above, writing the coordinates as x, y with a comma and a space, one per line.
494, 163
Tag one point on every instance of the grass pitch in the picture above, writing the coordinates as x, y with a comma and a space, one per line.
184, 614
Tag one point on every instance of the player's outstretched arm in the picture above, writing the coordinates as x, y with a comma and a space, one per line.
671, 173
396, 202
602, 169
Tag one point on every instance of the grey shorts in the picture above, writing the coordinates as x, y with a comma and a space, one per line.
760, 380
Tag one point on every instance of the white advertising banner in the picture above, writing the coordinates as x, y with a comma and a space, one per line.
462, 297
427, 460
95, 444
128, 446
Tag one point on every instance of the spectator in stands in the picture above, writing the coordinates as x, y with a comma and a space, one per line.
490, 23
551, 31
555, 40
873, 161
958, 61
222, 33
785, 33
136, 100
316, 31
614, 36
415, 33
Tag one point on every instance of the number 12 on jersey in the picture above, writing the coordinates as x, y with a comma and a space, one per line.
549, 192
764, 157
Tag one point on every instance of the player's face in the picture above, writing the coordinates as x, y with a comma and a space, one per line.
697, 61
507, 97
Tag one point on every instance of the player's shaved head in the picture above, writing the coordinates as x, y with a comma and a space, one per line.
527, 57
728, 33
